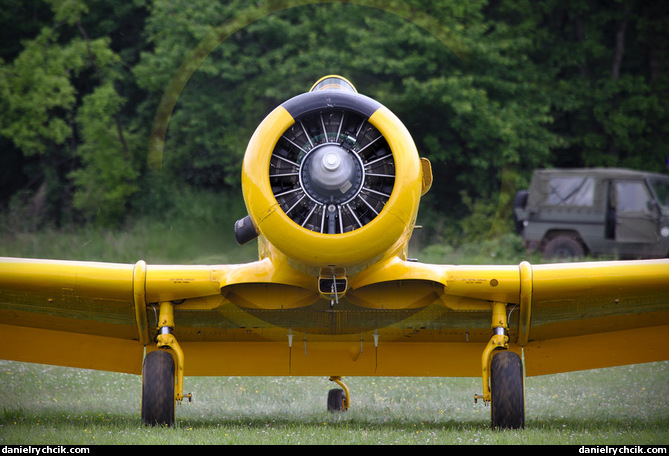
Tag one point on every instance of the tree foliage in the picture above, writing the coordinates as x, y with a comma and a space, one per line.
608, 75
489, 90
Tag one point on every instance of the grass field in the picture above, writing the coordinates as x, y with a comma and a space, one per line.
39, 404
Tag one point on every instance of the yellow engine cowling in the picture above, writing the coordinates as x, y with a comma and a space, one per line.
332, 179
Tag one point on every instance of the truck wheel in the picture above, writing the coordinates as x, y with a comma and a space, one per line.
519, 202
563, 248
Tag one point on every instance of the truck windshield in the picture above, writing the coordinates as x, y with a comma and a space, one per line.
571, 191
661, 190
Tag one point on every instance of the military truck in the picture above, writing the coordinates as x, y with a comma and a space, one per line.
609, 212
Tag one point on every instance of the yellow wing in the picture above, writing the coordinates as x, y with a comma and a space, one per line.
397, 317
591, 315
87, 314
566, 316
70, 313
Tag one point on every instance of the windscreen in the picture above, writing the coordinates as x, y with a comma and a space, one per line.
661, 191
571, 191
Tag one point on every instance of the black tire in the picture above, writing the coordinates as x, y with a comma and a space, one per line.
336, 400
563, 248
519, 202
158, 389
507, 391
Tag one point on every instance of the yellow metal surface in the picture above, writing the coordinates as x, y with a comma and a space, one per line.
525, 302
426, 174
166, 340
70, 349
499, 341
175, 283
139, 300
597, 350
346, 358
102, 281
69, 296
574, 299
334, 85
385, 236
561, 314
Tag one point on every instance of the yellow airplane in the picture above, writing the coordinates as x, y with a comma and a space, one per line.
332, 182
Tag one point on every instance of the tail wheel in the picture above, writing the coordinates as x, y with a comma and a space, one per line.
158, 389
336, 400
507, 391
332, 171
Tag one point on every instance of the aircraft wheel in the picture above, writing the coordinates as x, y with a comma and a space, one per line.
507, 391
336, 400
158, 389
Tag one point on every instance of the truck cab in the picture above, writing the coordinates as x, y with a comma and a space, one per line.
571, 213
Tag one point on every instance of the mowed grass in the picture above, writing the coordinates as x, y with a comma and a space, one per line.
55, 405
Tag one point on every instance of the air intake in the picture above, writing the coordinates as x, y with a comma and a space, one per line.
332, 171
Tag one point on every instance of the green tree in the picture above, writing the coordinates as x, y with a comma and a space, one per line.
60, 104
38, 108
489, 91
608, 75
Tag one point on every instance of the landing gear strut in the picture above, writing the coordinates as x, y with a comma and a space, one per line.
502, 375
162, 374
338, 399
